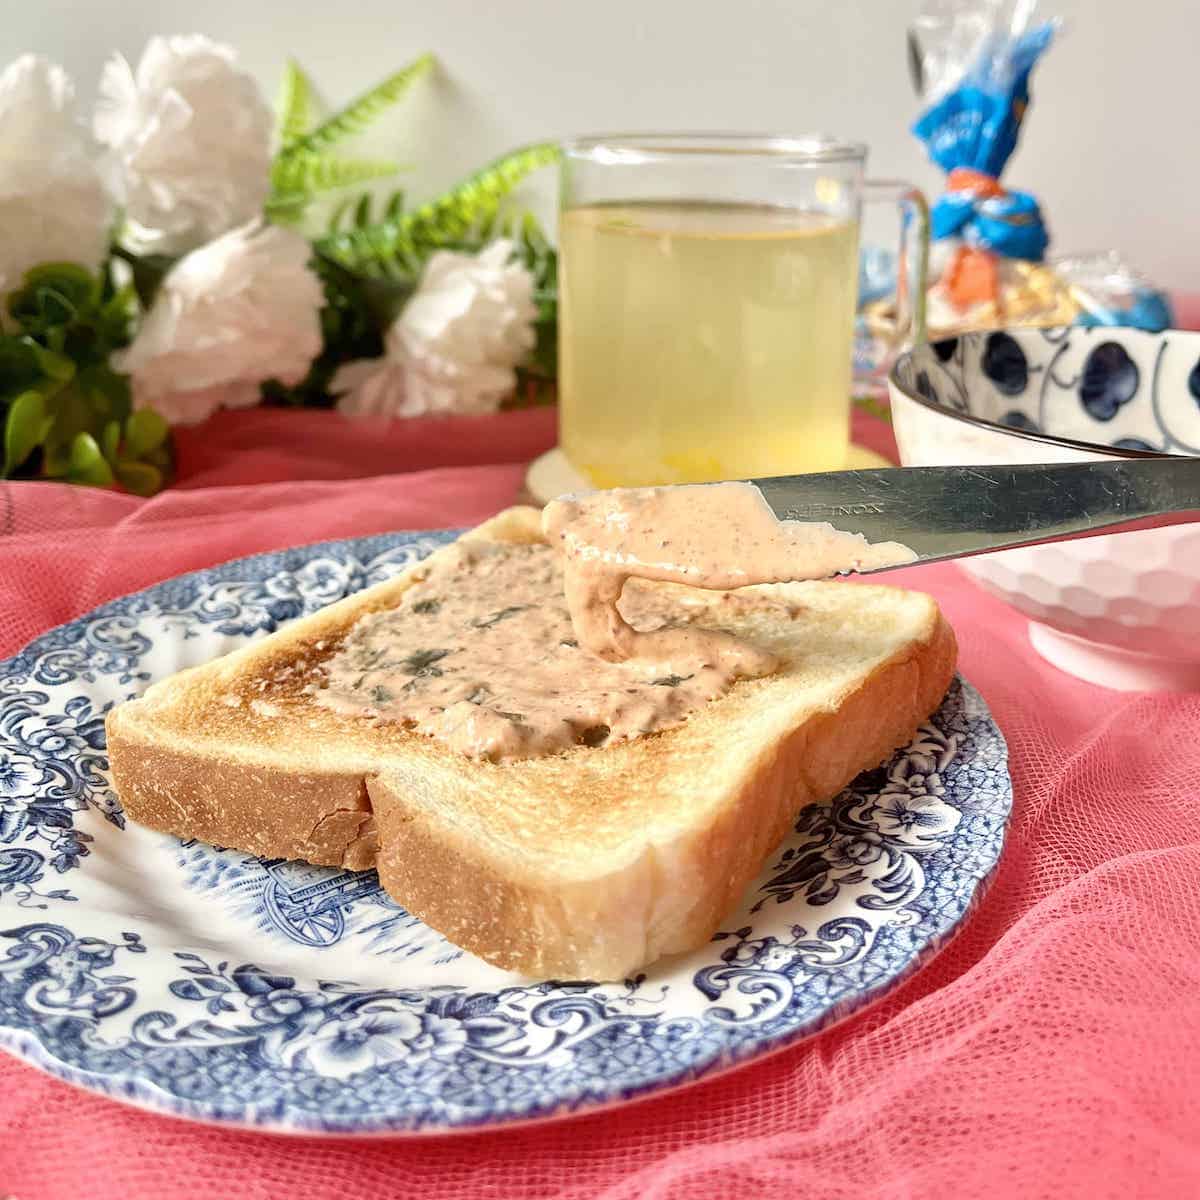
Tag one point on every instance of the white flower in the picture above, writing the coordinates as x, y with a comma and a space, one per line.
455, 345
53, 204
375, 387
241, 310
191, 137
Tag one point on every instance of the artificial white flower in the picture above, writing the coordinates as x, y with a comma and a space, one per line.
191, 139
53, 203
241, 310
454, 347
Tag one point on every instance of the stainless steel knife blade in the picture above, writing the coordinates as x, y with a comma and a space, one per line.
954, 512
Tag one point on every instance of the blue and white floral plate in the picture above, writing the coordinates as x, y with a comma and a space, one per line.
208, 984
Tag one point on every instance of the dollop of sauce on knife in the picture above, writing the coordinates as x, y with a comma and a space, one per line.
713, 535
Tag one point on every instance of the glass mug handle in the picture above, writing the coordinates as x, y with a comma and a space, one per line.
912, 271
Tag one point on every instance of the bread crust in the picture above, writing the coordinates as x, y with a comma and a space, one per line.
318, 817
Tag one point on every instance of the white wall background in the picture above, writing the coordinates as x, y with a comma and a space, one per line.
1111, 146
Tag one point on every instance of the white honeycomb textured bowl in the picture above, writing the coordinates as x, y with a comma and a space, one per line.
1122, 611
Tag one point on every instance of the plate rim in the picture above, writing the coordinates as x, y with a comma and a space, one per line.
522, 1121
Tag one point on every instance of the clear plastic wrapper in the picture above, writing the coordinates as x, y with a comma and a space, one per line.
1108, 291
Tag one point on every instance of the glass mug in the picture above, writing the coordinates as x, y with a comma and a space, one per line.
707, 296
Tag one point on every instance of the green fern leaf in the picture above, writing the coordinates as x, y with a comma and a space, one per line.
307, 175
286, 210
294, 104
475, 203
465, 216
335, 218
361, 112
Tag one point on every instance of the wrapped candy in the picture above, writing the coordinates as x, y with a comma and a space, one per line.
1108, 291
971, 62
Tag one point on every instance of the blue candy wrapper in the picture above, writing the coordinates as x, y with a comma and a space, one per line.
973, 62
974, 120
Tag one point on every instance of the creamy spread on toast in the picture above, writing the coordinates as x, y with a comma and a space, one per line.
506, 650
481, 654
714, 535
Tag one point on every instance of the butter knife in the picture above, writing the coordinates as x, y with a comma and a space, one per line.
954, 512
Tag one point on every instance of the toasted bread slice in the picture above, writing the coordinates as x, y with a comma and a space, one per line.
585, 864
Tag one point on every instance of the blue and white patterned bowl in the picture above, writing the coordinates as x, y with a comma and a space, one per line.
210, 984
1120, 610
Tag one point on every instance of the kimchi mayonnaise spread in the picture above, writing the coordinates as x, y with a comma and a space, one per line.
507, 651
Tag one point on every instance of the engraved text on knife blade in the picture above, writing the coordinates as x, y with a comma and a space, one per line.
807, 512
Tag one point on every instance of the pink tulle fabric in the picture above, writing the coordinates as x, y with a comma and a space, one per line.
1052, 1050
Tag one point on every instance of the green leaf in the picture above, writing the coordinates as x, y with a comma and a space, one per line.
361, 112
463, 218
72, 415
67, 277
110, 441
70, 320
478, 198
395, 207
362, 211
335, 219
19, 368
140, 478
145, 430
86, 463
58, 368
117, 314
106, 391
300, 176
53, 294
289, 211
294, 104
24, 429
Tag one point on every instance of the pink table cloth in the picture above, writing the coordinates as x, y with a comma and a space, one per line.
1052, 1050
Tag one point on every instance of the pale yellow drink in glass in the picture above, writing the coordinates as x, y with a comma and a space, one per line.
703, 341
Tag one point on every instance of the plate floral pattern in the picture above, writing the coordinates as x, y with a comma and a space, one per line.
210, 984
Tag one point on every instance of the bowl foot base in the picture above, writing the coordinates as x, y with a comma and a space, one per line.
1110, 667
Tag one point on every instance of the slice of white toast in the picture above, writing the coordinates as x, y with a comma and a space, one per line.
585, 864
